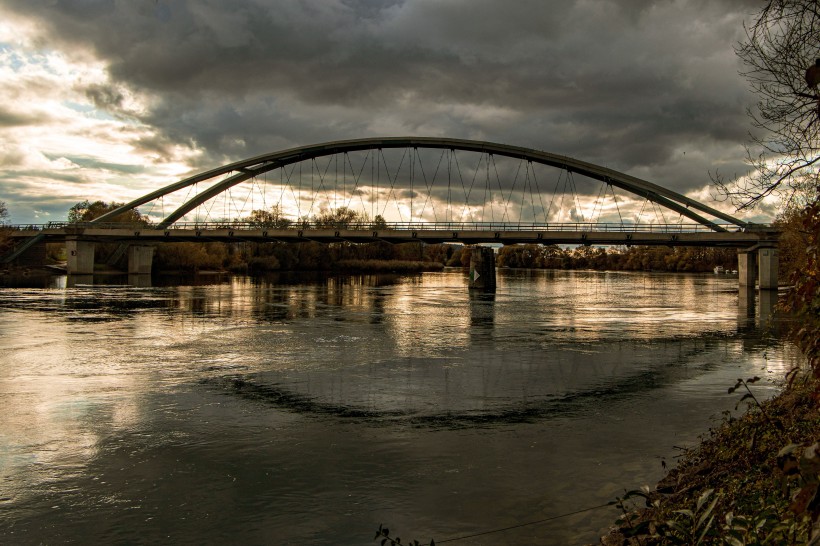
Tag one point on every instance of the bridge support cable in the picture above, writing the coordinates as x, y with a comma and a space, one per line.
639, 215
577, 200
500, 191
429, 185
615, 198
564, 194
336, 179
322, 178
263, 193
466, 208
599, 205
447, 215
413, 155
657, 209
528, 183
232, 201
508, 202
324, 183
357, 180
299, 195
248, 197
283, 174
481, 159
251, 195
486, 189
150, 210
392, 180
540, 195
467, 211
554, 192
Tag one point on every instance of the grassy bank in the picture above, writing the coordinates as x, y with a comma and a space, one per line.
753, 480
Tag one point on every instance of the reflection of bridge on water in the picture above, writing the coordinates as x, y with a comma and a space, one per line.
430, 190
536, 367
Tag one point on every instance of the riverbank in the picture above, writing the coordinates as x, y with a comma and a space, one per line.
752, 480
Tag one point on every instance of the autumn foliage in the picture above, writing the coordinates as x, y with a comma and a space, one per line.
804, 298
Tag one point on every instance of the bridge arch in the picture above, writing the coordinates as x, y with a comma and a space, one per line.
255, 166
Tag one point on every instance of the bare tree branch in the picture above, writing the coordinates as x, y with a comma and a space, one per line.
780, 45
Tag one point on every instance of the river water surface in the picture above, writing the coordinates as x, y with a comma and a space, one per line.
309, 411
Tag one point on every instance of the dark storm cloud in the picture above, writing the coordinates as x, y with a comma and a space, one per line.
92, 163
14, 182
105, 97
10, 118
624, 84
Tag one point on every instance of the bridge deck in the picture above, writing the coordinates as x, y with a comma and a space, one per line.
571, 234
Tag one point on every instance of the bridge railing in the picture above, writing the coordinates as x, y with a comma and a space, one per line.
398, 226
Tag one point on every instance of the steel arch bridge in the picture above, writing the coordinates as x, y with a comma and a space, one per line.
706, 225
256, 166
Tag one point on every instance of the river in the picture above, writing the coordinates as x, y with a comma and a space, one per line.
308, 410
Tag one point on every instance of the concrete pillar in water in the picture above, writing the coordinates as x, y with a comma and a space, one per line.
745, 305
78, 280
140, 258
140, 281
482, 268
767, 268
80, 256
746, 268
767, 299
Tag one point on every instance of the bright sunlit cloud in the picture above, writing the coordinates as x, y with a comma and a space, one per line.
58, 147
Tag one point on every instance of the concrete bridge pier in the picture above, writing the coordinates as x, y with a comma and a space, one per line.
482, 268
140, 259
758, 266
767, 263
747, 268
80, 256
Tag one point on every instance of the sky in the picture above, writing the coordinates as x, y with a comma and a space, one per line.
111, 99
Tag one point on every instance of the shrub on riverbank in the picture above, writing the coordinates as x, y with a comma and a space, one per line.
754, 480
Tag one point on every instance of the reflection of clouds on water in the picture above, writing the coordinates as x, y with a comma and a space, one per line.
268, 402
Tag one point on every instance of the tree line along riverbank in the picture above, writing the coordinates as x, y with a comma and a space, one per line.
260, 258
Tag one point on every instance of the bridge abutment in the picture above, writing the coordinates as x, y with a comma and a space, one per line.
140, 259
80, 257
482, 268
